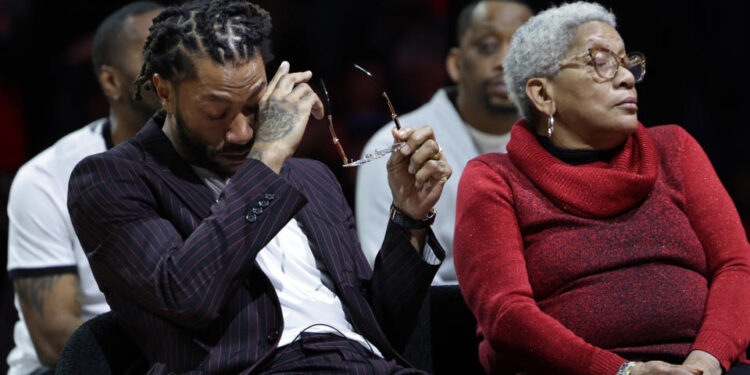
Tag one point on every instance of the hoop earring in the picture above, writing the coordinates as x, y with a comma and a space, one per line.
550, 126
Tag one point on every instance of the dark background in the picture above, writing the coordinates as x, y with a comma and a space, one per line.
697, 53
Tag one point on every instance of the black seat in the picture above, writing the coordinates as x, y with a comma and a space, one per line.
444, 340
101, 347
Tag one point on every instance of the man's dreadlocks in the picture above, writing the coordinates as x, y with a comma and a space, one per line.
227, 31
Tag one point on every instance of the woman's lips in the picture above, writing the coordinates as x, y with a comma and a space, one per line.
630, 104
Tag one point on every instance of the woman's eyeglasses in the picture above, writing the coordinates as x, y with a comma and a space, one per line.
606, 63
336, 142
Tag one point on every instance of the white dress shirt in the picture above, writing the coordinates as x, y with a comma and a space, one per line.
305, 290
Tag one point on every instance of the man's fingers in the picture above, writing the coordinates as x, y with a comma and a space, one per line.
290, 81
395, 160
311, 103
317, 108
426, 151
433, 171
300, 91
281, 71
401, 135
421, 147
416, 139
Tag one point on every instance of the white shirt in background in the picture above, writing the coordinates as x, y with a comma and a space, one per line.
460, 143
41, 239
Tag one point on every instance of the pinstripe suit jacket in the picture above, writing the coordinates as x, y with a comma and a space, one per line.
179, 271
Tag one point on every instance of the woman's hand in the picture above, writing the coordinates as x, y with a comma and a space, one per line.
664, 368
704, 361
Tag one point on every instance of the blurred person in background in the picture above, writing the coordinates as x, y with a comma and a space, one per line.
55, 291
596, 245
472, 118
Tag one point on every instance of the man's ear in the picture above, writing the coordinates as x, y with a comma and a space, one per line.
166, 93
453, 64
110, 82
541, 94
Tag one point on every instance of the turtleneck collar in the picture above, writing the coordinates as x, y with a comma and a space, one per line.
577, 157
598, 189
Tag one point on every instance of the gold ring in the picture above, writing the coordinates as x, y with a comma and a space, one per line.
438, 154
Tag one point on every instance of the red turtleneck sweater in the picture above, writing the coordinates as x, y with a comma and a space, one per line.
573, 269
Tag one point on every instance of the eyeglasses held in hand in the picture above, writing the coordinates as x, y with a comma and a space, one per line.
370, 156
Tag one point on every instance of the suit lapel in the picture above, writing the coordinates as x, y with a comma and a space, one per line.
163, 159
322, 233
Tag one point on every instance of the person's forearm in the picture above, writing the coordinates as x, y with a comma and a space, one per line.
717, 224
50, 341
51, 308
399, 283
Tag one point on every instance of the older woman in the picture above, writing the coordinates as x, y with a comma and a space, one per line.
596, 243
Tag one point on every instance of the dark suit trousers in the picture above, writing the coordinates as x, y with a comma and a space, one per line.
324, 353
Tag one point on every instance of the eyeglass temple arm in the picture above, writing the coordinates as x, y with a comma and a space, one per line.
369, 75
336, 140
394, 116
329, 109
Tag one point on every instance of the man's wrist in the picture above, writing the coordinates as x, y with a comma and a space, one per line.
268, 157
408, 223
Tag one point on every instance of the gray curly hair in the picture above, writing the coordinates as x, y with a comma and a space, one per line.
538, 45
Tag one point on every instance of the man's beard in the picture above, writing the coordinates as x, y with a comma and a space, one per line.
198, 153
500, 109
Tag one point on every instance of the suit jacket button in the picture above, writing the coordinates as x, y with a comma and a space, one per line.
251, 217
269, 196
264, 204
257, 210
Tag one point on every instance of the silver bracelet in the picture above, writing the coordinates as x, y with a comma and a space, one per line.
627, 367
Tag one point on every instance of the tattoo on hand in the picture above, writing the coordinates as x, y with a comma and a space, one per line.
255, 154
277, 122
32, 290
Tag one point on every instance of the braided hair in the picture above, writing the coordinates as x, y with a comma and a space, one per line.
227, 31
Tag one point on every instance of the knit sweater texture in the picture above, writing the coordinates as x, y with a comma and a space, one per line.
574, 269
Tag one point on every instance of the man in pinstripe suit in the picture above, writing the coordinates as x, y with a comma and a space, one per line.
217, 251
